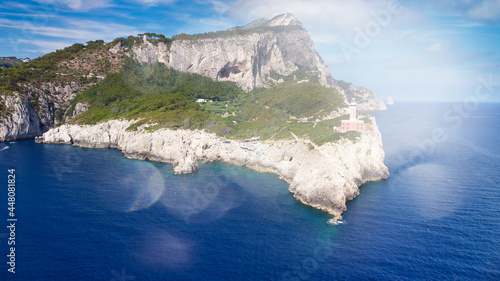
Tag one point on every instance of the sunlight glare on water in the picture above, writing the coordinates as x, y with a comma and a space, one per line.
145, 181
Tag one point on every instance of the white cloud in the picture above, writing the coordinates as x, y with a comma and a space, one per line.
46, 46
438, 47
421, 43
220, 7
78, 5
30, 15
329, 22
467, 24
51, 38
484, 11
74, 29
487, 10
153, 2
13, 5
328, 13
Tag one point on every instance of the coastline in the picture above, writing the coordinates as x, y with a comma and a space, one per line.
323, 177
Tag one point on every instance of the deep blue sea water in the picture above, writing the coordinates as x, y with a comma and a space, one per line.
92, 214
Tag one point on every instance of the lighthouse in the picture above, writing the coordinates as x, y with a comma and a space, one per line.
353, 110
353, 124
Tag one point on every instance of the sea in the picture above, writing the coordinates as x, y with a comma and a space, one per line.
93, 214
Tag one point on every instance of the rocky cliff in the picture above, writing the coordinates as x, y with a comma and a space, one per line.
389, 100
366, 99
20, 121
30, 114
324, 177
41, 98
260, 54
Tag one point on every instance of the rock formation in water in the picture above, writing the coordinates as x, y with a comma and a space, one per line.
324, 177
389, 100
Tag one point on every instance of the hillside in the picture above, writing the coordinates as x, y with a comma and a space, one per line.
303, 109
9, 62
40, 94
166, 98
152, 94
257, 95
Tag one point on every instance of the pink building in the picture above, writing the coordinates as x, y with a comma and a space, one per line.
352, 124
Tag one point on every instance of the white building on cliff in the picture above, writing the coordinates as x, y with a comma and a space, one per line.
352, 124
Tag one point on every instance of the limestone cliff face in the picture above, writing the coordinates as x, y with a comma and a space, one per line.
45, 103
147, 52
22, 123
256, 55
36, 111
324, 177
365, 98
260, 54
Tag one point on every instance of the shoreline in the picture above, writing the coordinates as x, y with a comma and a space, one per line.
324, 177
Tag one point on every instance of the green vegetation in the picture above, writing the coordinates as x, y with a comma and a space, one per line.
151, 37
302, 100
157, 78
92, 45
236, 32
3, 110
126, 42
158, 95
156, 38
47, 68
72, 63
287, 108
8, 62
155, 94
279, 129
298, 75
51, 60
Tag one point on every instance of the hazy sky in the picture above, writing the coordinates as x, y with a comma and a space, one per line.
412, 50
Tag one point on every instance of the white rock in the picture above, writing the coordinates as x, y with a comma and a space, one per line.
324, 178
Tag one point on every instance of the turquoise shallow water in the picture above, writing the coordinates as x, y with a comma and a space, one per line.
92, 214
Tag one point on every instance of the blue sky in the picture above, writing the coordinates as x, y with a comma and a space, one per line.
411, 50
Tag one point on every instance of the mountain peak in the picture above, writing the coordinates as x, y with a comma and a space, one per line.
283, 20
286, 19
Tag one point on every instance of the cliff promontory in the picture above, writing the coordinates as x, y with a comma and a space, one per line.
257, 95
323, 176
